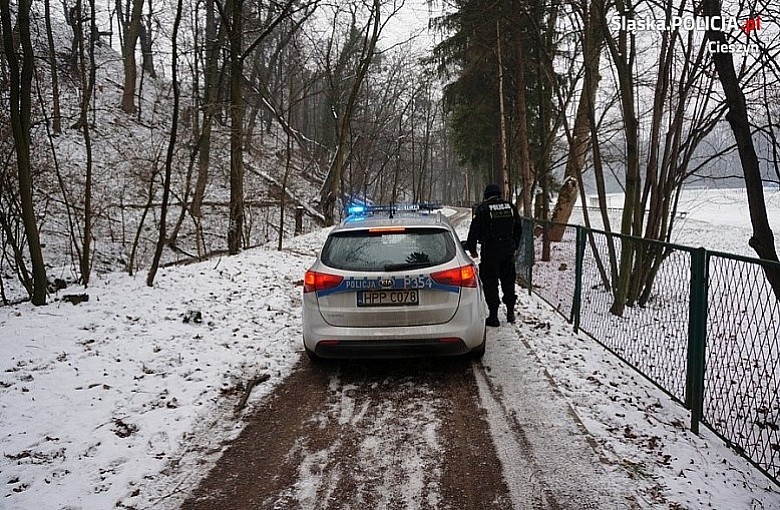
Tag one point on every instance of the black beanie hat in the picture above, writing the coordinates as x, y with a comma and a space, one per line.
492, 190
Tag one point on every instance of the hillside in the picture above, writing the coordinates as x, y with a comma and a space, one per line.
128, 155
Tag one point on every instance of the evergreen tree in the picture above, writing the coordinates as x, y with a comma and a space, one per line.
469, 57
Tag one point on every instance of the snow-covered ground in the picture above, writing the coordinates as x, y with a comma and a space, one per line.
716, 219
124, 401
98, 398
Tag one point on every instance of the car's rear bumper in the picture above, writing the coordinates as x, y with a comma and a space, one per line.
463, 333
387, 349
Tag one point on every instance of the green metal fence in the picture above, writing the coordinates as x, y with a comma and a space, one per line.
706, 330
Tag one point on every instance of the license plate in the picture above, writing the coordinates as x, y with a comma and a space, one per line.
401, 297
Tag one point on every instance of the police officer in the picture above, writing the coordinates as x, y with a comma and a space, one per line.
496, 226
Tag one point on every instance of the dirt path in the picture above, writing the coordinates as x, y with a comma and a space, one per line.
399, 435
417, 435
354, 435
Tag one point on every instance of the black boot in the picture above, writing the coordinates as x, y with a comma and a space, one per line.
510, 315
492, 319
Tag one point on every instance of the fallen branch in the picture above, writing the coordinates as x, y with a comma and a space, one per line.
249, 387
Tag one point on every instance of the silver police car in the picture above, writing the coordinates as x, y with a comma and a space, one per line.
393, 282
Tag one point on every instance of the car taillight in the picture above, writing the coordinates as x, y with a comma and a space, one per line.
314, 281
463, 276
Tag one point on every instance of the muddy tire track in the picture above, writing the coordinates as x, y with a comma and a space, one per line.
402, 434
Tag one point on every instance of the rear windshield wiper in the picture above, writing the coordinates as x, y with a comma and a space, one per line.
407, 265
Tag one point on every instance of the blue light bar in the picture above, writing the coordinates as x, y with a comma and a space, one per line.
364, 210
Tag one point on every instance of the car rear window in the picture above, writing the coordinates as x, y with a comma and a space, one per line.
412, 248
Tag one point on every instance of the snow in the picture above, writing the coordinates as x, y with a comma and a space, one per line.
716, 219
635, 425
128, 399
99, 396
410, 459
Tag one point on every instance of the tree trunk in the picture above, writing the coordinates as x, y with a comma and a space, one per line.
330, 189
211, 92
55, 83
623, 54
546, 77
655, 196
21, 102
87, 87
287, 166
578, 147
132, 28
607, 278
203, 135
504, 160
171, 148
762, 241
145, 37
85, 84
522, 121
236, 221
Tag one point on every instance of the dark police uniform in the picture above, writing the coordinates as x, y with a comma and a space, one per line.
496, 226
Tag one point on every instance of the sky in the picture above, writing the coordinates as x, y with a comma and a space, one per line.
412, 20
127, 399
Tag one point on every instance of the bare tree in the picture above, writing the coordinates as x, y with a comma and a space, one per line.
762, 240
87, 69
623, 51
677, 121
593, 41
131, 23
161, 238
233, 19
12, 254
55, 84
684, 112
213, 38
235, 15
20, 82
330, 189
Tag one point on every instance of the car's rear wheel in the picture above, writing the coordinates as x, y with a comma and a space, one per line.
312, 356
479, 351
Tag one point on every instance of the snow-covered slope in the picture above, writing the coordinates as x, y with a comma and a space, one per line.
126, 400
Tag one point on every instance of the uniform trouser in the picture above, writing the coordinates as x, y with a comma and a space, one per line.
491, 272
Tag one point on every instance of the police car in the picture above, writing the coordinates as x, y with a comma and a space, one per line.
393, 282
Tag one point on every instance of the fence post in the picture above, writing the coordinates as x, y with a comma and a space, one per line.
576, 304
298, 220
697, 337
